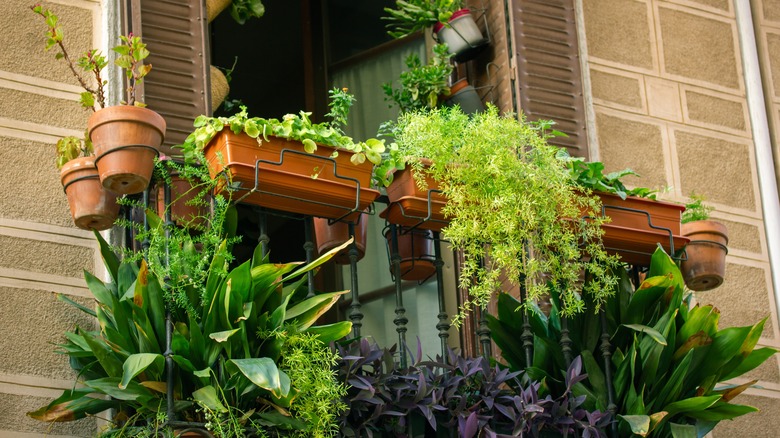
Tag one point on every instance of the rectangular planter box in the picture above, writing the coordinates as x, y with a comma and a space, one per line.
638, 225
284, 179
409, 205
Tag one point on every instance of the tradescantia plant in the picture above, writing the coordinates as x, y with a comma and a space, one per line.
298, 127
669, 359
462, 395
230, 350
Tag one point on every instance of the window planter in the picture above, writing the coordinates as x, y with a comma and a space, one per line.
91, 206
638, 225
126, 141
411, 206
279, 174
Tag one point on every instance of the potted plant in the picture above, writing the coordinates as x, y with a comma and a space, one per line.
637, 221
452, 24
422, 86
189, 202
246, 351
293, 164
703, 264
465, 96
508, 196
126, 137
668, 359
91, 206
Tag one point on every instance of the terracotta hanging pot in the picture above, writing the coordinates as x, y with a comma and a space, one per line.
704, 266
329, 236
192, 433
409, 205
126, 140
183, 212
91, 206
290, 179
415, 248
462, 35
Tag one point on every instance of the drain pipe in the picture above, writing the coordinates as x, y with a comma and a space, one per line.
770, 202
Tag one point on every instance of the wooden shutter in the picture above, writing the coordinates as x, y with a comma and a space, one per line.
549, 79
178, 87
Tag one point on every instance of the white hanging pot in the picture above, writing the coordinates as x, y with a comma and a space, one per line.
462, 35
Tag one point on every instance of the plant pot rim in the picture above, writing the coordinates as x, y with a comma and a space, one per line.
457, 14
131, 112
705, 226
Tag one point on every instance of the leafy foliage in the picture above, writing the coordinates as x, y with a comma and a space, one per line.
296, 127
590, 175
695, 210
510, 204
243, 10
227, 345
69, 148
668, 357
430, 398
422, 85
131, 53
410, 16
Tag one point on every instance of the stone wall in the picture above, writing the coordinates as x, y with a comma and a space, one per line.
42, 253
669, 102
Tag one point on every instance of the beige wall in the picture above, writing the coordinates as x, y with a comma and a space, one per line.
669, 101
40, 251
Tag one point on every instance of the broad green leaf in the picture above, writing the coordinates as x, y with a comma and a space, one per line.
319, 261
692, 404
156, 310
65, 299
639, 424
223, 336
110, 386
651, 332
308, 311
72, 405
331, 332
109, 258
207, 396
139, 363
720, 412
683, 430
263, 373
754, 359
104, 355
99, 290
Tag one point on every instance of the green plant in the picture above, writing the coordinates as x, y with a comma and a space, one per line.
510, 201
297, 127
131, 54
422, 85
227, 344
590, 175
243, 10
695, 210
69, 148
413, 16
669, 360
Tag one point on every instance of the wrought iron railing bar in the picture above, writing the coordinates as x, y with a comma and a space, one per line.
606, 354
264, 240
168, 354
308, 246
400, 319
443, 325
527, 335
355, 314
566, 341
